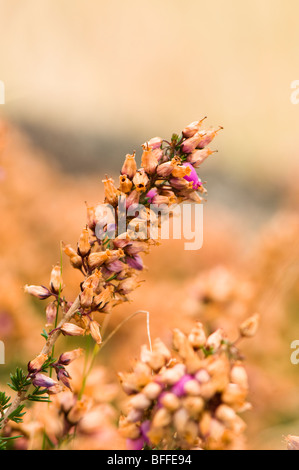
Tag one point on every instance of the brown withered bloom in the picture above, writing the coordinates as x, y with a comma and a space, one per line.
188, 398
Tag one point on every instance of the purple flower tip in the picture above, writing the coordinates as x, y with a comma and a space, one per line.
135, 444
135, 262
145, 427
151, 194
179, 388
193, 176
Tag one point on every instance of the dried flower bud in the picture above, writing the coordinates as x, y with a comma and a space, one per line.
75, 259
165, 169
152, 390
86, 297
125, 184
38, 291
51, 312
197, 157
68, 357
238, 375
190, 144
197, 337
154, 143
128, 285
215, 339
180, 171
111, 193
104, 297
194, 406
206, 138
37, 363
69, 329
249, 327
162, 418
96, 259
95, 331
93, 280
83, 244
192, 128
181, 183
133, 199
56, 282
140, 402
64, 377
170, 401
140, 180
129, 167
149, 160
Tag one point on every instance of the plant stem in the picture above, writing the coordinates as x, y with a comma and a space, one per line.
46, 350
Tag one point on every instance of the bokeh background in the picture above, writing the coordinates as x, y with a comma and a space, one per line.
86, 83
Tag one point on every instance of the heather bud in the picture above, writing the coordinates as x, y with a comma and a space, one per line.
249, 327
197, 157
51, 312
125, 184
68, 357
140, 402
215, 339
111, 193
41, 380
69, 329
140, 180
86, 297
95, 331
96, 259
129, 167
149, 160
75, 259
197, 337
83, 244
37, 363
38, 291
56, 283
153, 143
192, 128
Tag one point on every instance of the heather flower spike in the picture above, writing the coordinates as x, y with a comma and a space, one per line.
110, 266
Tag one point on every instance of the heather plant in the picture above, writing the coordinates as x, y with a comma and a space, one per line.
109, 264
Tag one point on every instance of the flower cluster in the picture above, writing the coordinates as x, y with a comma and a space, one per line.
188, 399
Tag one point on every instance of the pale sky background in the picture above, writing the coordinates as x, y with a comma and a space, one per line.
136, 68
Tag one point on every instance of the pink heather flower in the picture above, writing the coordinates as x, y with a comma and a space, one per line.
41, 380
135, 262
179, 388
116, 266
38, 291
193, 177
151, 194
144, 428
